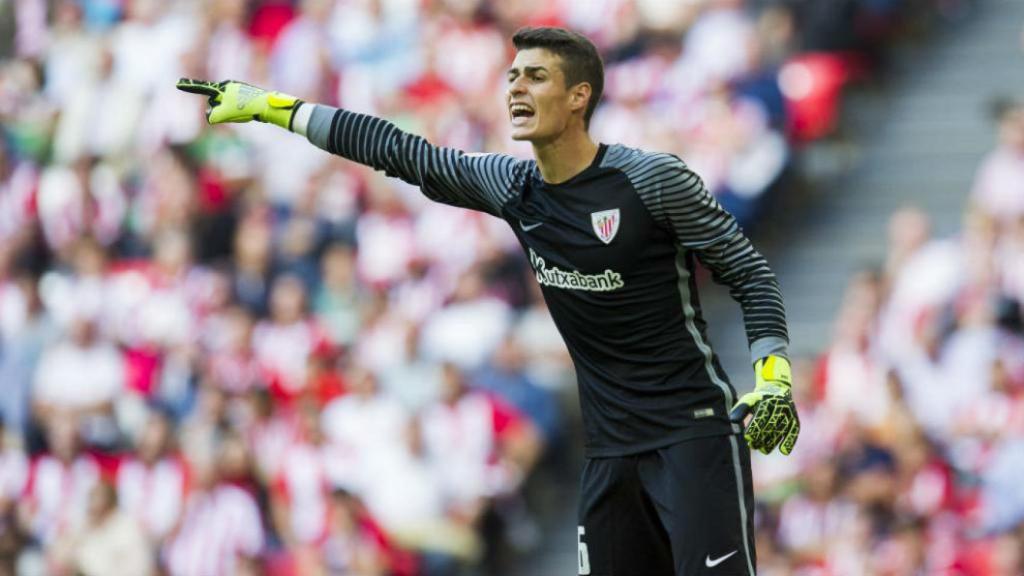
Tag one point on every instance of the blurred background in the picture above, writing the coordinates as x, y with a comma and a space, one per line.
225, 352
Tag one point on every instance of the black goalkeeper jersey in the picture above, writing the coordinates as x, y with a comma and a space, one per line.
614, 250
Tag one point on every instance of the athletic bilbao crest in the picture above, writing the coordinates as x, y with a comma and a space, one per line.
606, 224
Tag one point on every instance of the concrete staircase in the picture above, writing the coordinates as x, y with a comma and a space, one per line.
917, 139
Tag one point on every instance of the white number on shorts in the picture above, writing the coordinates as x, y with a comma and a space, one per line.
584, 556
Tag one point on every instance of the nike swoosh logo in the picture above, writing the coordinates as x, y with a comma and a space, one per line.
712, 563
526, 228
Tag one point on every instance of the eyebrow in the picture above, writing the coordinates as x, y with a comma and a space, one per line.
528, 69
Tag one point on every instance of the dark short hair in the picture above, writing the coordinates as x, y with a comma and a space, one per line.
580, 60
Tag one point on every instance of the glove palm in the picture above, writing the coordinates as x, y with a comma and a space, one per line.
775, 421
232, 101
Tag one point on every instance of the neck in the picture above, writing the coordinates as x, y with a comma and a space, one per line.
564, 157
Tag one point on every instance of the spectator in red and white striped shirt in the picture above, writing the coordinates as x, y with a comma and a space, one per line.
482, 446
284, 342
57, 496
232, 364
220, 531
299, 493
151, 481
360, 426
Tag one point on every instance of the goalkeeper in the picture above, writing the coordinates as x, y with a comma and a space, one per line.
613, 235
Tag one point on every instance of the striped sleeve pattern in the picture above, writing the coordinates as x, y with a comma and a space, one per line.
677, 198
477, 181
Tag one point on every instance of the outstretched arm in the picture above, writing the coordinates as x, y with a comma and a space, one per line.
478, 181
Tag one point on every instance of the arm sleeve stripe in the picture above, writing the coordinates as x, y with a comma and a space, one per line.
676, 198
477, 181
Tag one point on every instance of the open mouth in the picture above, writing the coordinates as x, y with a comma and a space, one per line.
520, 113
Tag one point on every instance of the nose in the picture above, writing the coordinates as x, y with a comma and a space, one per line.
516, 87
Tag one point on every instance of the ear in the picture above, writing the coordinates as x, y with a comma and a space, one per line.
579, 96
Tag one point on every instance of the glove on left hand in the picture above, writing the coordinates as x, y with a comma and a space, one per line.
775, 421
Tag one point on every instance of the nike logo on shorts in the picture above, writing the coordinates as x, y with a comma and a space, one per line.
715, 562
527, 227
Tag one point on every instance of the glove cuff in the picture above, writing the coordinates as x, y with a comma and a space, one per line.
280, 110
774, 369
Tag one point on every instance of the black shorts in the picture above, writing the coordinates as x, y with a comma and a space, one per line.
682, 510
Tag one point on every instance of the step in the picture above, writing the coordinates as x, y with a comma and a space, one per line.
976, 75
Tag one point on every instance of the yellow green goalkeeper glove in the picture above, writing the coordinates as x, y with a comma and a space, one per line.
775, 422
232, 101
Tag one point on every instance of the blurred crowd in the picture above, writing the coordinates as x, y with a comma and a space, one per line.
912, 451
223, 351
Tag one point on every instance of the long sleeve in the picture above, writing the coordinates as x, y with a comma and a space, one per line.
477, 181
677, 197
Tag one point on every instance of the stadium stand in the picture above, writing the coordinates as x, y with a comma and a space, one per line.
223, 351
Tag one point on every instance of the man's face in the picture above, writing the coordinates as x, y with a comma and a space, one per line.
540, 105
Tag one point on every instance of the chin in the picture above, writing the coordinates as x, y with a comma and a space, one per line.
521, 133
528, 134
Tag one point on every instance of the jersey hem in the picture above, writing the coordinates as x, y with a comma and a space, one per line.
724, 429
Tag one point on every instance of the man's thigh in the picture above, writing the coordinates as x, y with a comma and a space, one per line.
620, 532
703, 494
